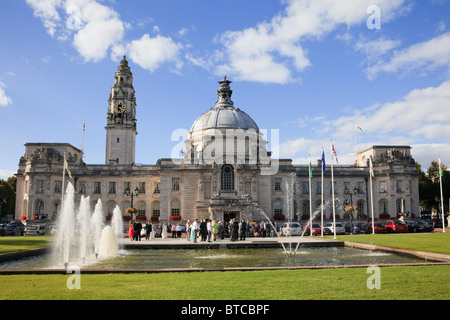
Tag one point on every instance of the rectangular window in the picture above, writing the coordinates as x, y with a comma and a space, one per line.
277, 184
112, 188
126, 186
82, 188
399, 185
305, 188
360, 187
97, 187
175, 183
141, 187
383, 186
40, 186
318, 187
156, 190
58, 187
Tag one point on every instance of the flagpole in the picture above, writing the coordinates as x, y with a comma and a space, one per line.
310, 199
332, 190
321, 198
82, 142
371, 194
63, 180
441, 173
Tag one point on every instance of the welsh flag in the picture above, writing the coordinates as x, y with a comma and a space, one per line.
441, 169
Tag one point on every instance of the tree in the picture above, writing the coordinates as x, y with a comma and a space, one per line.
8, 196
429, 189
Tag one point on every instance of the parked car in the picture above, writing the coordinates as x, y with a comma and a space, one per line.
316, 229
378, 226
291, 229
2, 229
358, 228
395, 226
14, 225
419, 226
329, 228
35, 230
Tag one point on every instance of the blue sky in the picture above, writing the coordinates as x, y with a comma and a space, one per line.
311, 69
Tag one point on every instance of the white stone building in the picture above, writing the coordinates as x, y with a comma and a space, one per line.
225, 172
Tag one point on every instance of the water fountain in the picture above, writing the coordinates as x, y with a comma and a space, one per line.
79, 236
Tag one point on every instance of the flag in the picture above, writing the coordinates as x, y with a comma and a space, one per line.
334, 153
66, 167
323, 161
84, 126
310, 170
358, 127
441, 169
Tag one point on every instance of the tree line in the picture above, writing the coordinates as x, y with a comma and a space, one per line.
429, 187
8, 196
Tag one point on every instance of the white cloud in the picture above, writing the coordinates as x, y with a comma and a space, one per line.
376, 48
4, 99
419, 119
267, 52
47, 11
428, 55
150, 53
95, 27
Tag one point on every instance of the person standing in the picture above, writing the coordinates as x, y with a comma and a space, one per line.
148, 230
174, 231
203, 230
137, 230
215, 230
209, 230
131, 231
188, 230
164, 231
194, 229
221, 230
242, 229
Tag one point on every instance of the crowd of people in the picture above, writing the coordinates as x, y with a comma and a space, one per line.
203, 230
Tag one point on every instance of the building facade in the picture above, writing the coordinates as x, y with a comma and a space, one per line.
225, 172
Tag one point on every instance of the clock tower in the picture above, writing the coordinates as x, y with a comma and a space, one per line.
121, 120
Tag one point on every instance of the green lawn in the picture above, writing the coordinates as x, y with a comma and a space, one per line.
11, 244
397, 283
437, 242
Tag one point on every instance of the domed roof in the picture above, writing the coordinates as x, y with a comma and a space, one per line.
224, 115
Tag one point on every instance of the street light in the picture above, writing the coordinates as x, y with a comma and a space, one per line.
347, 192
132, 194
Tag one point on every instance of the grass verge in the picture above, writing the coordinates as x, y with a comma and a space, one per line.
397, 283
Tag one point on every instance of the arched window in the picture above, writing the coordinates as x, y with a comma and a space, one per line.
156, 209
227, 178
175, 208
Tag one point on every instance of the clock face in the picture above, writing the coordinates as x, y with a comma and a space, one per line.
119, 107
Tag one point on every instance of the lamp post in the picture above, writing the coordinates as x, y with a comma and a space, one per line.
347, 192
132, 194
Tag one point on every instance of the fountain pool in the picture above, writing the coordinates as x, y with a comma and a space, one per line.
221, 258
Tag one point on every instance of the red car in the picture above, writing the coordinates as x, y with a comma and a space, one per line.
315, 229
379, 228
395, 226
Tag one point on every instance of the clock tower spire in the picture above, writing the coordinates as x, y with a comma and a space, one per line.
121, 127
